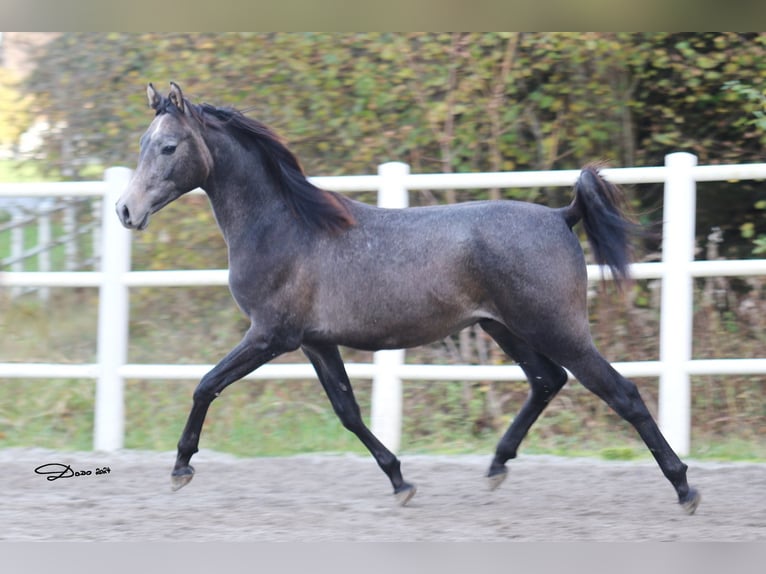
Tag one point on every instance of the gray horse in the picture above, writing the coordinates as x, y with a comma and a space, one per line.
314, 270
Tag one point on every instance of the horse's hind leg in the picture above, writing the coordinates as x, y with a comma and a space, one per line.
597, 375
332, 374
545, 380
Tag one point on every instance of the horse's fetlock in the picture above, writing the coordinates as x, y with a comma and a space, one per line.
189, 446
389, 465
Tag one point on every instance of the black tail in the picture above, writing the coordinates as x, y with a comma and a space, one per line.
599, 204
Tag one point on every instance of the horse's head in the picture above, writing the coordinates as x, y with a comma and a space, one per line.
173, 159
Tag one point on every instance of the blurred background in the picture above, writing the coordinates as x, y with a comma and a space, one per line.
74, 104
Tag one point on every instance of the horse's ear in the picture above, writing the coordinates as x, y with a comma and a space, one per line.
154, 96
176, 96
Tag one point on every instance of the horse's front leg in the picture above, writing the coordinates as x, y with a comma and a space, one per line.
253, 351
332, 374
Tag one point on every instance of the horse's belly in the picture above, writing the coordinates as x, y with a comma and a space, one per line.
395, 325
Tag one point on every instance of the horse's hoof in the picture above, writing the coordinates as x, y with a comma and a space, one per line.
495, 478
691, 501
405, 493
181, 477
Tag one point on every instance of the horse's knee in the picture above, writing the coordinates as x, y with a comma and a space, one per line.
204, 393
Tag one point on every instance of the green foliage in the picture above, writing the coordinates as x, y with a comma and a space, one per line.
681, 79
183, 235
446, 102
698, 92
758, 98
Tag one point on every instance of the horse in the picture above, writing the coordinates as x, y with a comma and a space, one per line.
315, 270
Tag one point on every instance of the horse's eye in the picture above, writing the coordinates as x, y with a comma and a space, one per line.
168, 149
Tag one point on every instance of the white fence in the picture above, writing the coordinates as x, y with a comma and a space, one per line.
42, 214
676, 270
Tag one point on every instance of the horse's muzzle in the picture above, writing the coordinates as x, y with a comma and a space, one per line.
128, 220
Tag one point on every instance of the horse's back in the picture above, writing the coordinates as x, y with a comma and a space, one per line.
405, 277
499, 241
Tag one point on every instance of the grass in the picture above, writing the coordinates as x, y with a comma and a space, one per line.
51, 414
249, 419
265, 419
274, 418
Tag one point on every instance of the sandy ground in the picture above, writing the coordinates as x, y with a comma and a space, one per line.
347, 498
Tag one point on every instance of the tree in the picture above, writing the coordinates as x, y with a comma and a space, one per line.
686, 101
439, 101
14, 116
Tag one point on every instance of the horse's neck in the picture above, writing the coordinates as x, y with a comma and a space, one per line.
244, 201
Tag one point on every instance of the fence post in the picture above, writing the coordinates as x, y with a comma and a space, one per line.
386, 417
71, 246
17, 247
109, 424
96, 208
44, 244
676, 318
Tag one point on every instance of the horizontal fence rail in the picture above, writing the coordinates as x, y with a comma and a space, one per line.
393, 182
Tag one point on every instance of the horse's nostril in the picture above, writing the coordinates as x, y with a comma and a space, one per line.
123, 214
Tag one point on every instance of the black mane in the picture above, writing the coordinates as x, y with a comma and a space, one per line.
317, 208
